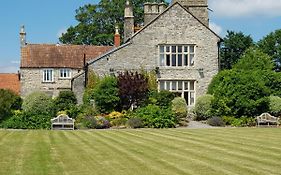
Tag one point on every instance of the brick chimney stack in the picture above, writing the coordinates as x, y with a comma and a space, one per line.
22, 36
117, 39
128, 21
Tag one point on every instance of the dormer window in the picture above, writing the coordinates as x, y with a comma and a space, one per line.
177, 55
65, 73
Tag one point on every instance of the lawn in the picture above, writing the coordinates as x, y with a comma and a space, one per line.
146, 151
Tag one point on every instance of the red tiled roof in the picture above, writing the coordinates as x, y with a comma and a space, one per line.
57, 56
10, 81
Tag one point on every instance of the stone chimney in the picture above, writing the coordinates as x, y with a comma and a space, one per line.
198, 8
117, 39
151, 10
22, 37
128, 21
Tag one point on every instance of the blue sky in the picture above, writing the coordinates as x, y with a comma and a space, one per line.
46, 20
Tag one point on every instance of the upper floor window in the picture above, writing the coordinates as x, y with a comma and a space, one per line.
177, 55
65, 73
48, 75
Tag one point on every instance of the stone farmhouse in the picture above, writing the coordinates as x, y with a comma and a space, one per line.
176, 42
51, 67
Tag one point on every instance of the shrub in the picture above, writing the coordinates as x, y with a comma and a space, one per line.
65, 101
155, 117
117, 119
239, 122
215, 121
92, 122
106, 95
179, 107
162, 98
9, 101
134, 123
203, 107
38, 103
275, 105
93, 81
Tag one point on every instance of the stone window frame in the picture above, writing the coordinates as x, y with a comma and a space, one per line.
185, 88
65, 73
48, 75
177, 55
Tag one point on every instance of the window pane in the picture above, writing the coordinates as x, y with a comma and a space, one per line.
162, 85
191, 59
174, 85
192, 85
186, 97
168, 61
162, 60
191, 49
161, 49
185, 49
174, 49
168, 85
174, 61
180, 60
192, 98
167, 48
179, 85
185, 60
185, 85
179, 49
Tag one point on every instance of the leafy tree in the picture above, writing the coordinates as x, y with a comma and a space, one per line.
234, 45
133, 89
96, 22
106, 94
8, 101
271, 45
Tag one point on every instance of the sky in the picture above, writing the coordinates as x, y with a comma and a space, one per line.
45, 20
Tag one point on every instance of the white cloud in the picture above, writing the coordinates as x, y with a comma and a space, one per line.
60, 32
216, 28
246, 8
15, 62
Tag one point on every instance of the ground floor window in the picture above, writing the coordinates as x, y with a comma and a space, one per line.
182, 88
65, 73
48, 75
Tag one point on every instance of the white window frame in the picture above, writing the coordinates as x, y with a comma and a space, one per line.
177, 55
65, 73
180, 86
48, 75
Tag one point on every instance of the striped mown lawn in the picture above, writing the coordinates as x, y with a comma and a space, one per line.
146, 151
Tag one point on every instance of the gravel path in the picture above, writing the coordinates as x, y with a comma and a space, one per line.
195, 124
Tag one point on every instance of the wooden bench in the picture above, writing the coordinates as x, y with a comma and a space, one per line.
62, 122
266, 118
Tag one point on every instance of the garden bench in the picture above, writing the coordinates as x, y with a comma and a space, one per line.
266, 118
62, 122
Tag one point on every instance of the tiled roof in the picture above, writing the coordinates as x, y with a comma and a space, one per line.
58, 56
10, 81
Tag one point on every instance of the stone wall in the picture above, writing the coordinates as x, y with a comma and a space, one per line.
32, 80
78, 87
175, 27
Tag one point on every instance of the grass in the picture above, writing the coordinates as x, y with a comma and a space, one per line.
147, 151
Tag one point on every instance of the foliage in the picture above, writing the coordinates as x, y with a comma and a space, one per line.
66, 100
134, 123
162, 98
271, 45
93, 81
92, 122
151, 79
96, 23
179, 108
254, 59
234, 45
203, 107
22, 120
117, 119
155, 117
239, 122
275, 105
38, 103
106, 95
215, 121
133, 88
9, 101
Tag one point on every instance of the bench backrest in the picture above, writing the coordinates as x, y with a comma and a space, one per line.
267, 116
63, 118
